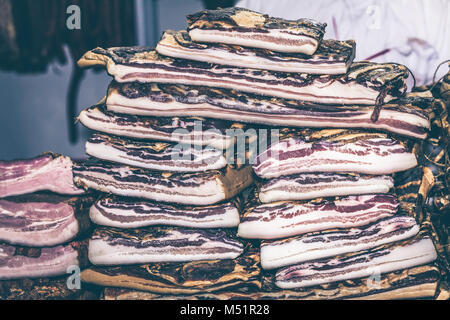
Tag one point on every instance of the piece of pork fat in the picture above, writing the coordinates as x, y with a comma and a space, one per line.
42, 220
109, 246
313, 246
333, 151
289, 218
365, 83
126, 213
18, 262
197, 188
416, 282
198, 131
50, 172
391, 257
332, 56
191, 277
316, 185
155, 155
240, 26
405, 116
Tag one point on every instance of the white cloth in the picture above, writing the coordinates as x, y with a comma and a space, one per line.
414, 33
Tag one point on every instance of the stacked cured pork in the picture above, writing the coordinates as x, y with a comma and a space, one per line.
325, 208
43, 216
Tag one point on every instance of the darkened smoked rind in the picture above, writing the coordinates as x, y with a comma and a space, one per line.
182, 278
406, 116
198, 188
332, 56
365, 82
43, 219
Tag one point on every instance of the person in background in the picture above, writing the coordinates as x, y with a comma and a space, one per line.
414, 33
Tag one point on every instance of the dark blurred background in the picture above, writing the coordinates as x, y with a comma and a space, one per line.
41, 90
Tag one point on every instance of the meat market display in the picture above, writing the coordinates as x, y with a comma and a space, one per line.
185, 195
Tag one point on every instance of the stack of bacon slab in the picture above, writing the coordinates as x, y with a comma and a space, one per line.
42, 217
325, 207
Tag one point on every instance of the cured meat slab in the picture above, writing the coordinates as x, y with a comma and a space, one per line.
135, 246
197, 131
405, 116
366, 83
182, 278
42, 220
46, 172
198, 188
313, 246
406, 254
316, 185
19, 262
155, 155
334, 151
248, 28
129, 213
289, 218
416, 282
332, 56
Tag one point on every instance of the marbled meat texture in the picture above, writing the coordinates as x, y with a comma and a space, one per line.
289, 218
313, 246
46, 172
109, 246
405, 116
183, 278
334, 151
240, 26
365, 82
198, 131
159, 156
136, 213
392, 257
197, 188
332, 56
307, 186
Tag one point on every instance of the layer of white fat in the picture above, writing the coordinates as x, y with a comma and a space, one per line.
101, 253
212, 139
329, 92
287, 190
146, 107
338, 162
228, 219
297, 43
284, 253
252, 61
399, 258
208, 158
209, 192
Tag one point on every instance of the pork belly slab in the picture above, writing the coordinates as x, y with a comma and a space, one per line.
191, 277
135, 213
42, 220
366, 83
416, 282
405, 116
289, 218
316, 185
49, 172
197, 188
197, 131
333, 151
313, 246
155, 155
401, 255
332, 56
19, 262
239, 26
160, 244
